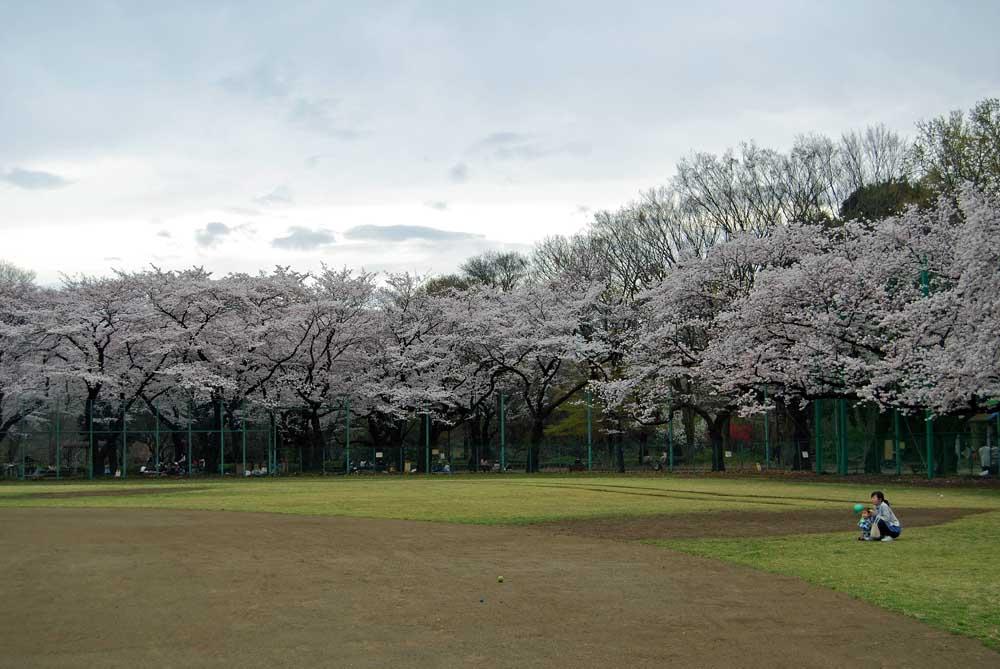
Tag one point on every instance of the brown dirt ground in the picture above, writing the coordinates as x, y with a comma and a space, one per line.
738, 523
117, 588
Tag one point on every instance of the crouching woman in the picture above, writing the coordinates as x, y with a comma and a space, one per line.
885, 524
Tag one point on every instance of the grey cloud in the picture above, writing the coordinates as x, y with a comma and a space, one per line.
34, 179
507, 145
244, 211
420, 259
280, 195
459, 173
163, 233
440, 205
212, 234
111, 258
582, 209
402, 233
534, 151
312, 162
264, 81
303, 239
317, 116
502, 138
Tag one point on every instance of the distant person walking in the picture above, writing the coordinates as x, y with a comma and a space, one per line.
987, 459
885, 524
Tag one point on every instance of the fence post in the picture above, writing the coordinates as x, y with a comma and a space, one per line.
427, 441
670, 437
929, 439
124, 462
58, 444
274, 446
590, 431
20, 440
243, 438
270, 443
156, 458
347, 430
842, 441
895, 441
190, 436
222, 439
503, 437
90, 439
818, 429
925, 286
322, 450
767, 433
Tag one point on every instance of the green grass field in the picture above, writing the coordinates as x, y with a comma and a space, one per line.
947, 575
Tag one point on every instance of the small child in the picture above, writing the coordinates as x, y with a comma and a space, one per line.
865, 523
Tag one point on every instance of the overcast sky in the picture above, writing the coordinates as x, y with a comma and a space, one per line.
408, 135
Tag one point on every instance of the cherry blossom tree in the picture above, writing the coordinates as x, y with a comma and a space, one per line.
943, 352
21, 389
540, 337
664, 363
99, 331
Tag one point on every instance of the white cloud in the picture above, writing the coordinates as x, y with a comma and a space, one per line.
212, 233
401, 233
303, 239
263, 81
319, 116
459, 173
279, 196
34, 179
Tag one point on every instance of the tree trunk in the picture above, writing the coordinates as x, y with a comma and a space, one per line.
620, 453
437, 429
483, 437
94, 452
316, 455
180, 445
716, 430
107, 452
873, 456
800, 435
377, 430
537, 437
211, 453
688, 420
7, 424
643, 447
946, 459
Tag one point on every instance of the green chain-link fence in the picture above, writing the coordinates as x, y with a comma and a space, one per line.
93, 440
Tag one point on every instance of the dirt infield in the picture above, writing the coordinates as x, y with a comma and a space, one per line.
737, 524
116, 588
